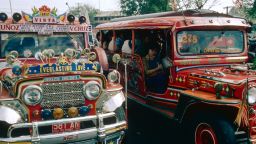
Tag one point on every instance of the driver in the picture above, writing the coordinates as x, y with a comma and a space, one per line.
154, 74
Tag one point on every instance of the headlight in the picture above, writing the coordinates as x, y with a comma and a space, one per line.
114, 76
92, 90
252, 95
32, 95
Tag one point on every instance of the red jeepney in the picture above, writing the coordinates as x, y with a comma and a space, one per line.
203, 79
52, 86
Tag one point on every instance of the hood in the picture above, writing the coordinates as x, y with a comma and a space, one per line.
233, 74
232, 79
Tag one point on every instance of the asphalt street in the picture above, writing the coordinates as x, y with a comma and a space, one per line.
146, 126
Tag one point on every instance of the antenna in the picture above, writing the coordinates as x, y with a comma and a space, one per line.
68, 6
227, 8
10, 6
99, 4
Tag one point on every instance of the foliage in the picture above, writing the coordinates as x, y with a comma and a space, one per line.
254, 64
196, 4
135, 7
84, 10
244, 8
251, 11
129, 7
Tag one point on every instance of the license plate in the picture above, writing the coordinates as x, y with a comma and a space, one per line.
65, 127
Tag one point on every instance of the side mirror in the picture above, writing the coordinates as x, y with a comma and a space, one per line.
116, 58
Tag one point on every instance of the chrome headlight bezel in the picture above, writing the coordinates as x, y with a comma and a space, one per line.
114, 76
252, 95
87, 90
28, 91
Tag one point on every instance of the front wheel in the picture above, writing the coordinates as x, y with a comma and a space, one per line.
214, 131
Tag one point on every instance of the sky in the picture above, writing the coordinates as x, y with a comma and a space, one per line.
104, 5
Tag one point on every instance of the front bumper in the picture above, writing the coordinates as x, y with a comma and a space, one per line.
100, 133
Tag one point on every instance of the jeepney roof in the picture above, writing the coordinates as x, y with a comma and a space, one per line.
177, 19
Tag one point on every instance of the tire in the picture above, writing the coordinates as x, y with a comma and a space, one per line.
3, 129
213, 131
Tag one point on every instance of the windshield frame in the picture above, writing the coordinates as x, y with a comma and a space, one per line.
16, 34
209, 54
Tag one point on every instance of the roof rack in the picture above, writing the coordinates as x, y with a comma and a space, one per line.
187, 13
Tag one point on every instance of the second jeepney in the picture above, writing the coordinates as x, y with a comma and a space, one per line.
52, 86
191, 66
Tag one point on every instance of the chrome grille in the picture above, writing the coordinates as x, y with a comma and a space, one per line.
65, 94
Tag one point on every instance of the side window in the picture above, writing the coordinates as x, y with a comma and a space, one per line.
144, 39
142, 42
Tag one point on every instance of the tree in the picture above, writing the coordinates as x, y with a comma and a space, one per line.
84, 10
196, 4
245, 8
135, 7
251, 11
129, 7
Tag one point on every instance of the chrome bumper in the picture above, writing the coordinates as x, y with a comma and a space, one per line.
98, 134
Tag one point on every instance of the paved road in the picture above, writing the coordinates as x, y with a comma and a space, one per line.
149, 127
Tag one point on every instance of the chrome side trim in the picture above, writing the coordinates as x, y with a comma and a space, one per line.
200, 66
252, 140
163, 99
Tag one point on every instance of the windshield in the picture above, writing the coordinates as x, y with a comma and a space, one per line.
34, 42
209, 42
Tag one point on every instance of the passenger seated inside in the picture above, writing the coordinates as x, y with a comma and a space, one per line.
127, 47
156, 80
98, 39
119, 42
105, 39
